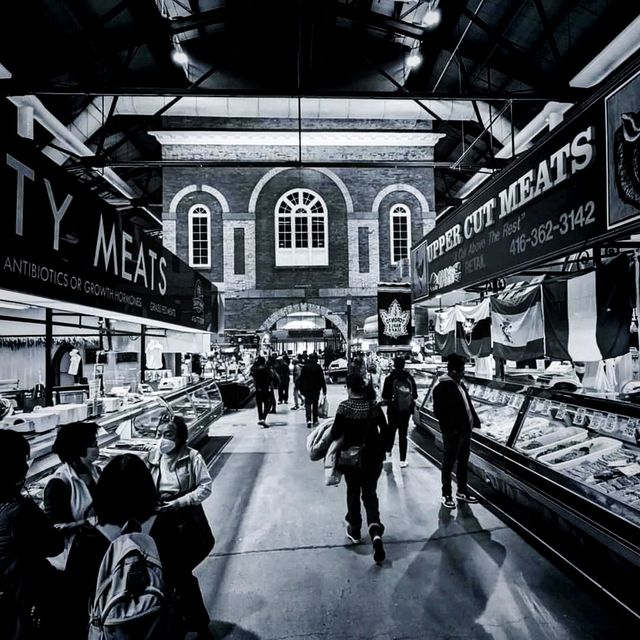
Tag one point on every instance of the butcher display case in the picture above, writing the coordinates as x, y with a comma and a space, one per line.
199, 404
571, 459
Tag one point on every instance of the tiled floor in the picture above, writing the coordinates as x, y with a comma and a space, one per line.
282, 568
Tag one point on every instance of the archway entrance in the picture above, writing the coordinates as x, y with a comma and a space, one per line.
305, 327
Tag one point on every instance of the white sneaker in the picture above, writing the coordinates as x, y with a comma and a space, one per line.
404, 463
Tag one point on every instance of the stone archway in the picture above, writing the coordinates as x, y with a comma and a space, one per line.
336, 320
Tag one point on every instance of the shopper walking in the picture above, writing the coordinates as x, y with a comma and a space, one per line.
361, 423
312, 383
29, 585
272, 365
297, 368
282, 369
399, 393
264, 381
455, 413
69, 493
183, 482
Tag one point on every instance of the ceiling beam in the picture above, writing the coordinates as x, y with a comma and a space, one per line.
95, 162
197, 21
12, 88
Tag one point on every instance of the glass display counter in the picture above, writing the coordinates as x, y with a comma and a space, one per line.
135, 427
591, 443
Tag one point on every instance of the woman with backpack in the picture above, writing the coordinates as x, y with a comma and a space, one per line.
69, 493
126, 501
399, 393
182, 478
361, 425
28, 583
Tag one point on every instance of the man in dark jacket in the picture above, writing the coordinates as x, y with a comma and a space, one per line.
311, 383
399, 393
282, 369
455, 413
29, 585
264, 381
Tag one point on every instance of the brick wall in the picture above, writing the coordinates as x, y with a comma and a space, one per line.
358, 202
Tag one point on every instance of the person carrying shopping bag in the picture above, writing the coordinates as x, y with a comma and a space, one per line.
362, 426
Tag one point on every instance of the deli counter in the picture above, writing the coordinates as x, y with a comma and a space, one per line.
134, 428
572, 460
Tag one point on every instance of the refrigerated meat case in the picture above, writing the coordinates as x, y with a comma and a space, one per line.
135, 428
572, 460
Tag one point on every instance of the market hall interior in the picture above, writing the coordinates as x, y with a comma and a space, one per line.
283, 568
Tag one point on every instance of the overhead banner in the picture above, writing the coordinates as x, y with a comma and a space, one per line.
62, 242
394, 316
551, 202
588, 317
419, 271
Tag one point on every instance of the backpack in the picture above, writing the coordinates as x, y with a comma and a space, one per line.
129, 601
402, 398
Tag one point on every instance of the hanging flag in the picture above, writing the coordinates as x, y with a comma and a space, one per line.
516, 325
473, 330
394, 316
446, 331
588, 317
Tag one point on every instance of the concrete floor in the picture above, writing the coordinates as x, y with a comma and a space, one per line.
282, 568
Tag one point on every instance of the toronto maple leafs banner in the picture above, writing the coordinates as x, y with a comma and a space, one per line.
517, 329
473, 330
419, 271
394, 316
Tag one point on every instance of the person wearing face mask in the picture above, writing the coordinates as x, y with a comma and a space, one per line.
455, 413
69, 493
28, 583
183, 482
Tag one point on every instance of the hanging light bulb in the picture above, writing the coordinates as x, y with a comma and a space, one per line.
414, 59
433, 15
179, 56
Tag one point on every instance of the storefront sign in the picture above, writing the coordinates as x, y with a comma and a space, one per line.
394, 316
550, 203
62, 242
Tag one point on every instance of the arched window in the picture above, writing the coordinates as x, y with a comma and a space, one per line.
400, 232
301, 229
199, 236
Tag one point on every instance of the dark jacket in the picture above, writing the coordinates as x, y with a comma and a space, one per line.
263, 377
282, 369
361, 422
312, 380
387, 387
449, 407
27, 538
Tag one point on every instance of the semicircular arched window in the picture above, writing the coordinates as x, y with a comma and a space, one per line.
301, 230
199, 236
400, 228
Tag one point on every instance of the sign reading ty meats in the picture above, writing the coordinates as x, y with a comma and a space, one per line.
62, 242
549, 203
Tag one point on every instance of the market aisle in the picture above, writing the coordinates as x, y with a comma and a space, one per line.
282, 568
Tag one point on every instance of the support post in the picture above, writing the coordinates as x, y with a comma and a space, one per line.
143, 351
348, 331
48, 357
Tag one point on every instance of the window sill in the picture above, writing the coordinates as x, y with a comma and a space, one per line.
301, 266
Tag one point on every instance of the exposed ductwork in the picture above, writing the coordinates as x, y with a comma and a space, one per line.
69, 140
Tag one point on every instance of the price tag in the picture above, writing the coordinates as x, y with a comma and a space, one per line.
580, 415
628, 431
518, 401
611, 423
596, 420
562, 410
544, 407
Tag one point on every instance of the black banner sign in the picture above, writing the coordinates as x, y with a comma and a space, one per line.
394, 316
551, 203
62, 242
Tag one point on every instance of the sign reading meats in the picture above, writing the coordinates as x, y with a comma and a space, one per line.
549, 203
